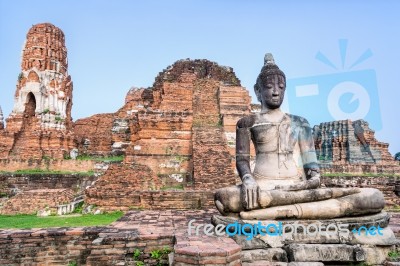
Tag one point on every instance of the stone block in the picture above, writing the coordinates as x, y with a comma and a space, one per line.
324, 252
268, 255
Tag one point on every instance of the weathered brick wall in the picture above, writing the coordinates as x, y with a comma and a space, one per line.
212, 161
22, 182
29, 202
84, 246
120, 185
360, 168
54, 246
383, 183
93, 134
11, 165
153, 200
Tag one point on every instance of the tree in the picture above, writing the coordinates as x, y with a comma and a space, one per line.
397, 156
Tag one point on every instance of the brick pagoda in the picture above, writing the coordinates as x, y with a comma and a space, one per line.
40, 124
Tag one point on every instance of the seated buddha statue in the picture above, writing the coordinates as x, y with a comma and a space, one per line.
285, 182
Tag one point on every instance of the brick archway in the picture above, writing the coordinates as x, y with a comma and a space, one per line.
30, 105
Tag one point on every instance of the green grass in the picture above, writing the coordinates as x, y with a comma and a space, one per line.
32, 221
85, 157
177, 187
46, 172
364, 174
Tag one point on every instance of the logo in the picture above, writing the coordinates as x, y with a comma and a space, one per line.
286, 231
346, 94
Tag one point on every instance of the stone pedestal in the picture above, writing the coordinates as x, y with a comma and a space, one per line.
367, 239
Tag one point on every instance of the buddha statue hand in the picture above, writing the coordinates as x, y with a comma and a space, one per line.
249, 193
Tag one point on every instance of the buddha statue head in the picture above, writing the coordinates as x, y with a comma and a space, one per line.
270, 85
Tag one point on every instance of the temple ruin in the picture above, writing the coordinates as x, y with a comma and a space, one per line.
40, 124
182, 128
351, 147
178, 140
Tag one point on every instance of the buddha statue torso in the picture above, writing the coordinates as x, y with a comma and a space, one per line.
277, 148
274, 143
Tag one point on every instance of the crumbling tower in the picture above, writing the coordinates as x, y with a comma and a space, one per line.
44, 88
40, 122
1, 119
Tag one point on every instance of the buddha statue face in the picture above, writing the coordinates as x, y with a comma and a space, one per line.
271, 90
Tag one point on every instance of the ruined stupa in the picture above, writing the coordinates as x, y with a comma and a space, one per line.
40, 124
346, 146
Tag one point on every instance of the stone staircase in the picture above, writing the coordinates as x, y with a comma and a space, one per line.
27, 141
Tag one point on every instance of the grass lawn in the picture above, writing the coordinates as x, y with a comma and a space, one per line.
32, 221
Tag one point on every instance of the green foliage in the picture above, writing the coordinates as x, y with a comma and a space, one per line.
46, 158
160, 255
86, 157
72, 263
135, 208
155, 254
20, 76
78, 208
394, 255
181, 158
45, 111
136, 254
33, 221
58, 118
220, 123
397, 156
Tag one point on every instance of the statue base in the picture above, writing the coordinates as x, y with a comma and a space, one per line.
343, 240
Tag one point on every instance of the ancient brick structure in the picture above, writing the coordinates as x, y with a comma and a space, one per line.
1, 119
29, 202
14, 183
145, 231
350, 146
93, 134
181, 128
40, 123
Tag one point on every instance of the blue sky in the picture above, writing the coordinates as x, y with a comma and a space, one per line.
114, 45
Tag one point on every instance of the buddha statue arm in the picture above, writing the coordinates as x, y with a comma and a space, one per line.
309, 156
249, 189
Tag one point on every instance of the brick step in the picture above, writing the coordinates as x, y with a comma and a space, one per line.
206, 250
